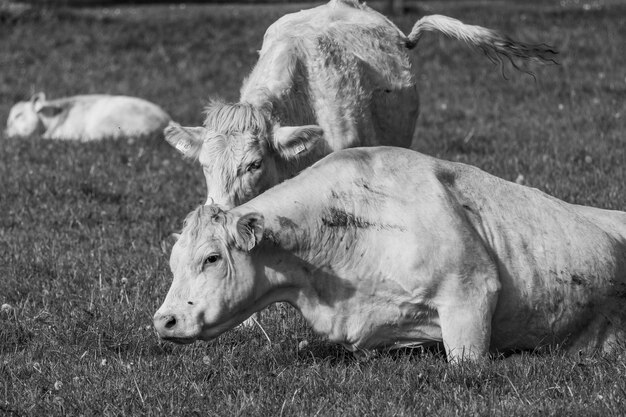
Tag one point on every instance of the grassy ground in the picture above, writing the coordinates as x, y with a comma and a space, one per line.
83, 227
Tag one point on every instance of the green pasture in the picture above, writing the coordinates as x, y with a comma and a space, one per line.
84, 227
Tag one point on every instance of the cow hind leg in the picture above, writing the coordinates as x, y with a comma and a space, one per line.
605, 333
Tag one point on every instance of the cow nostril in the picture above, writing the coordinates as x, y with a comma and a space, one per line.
170, 321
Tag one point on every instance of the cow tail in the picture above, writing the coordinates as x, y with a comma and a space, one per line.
494, 45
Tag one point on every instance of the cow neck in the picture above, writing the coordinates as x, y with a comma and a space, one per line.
295, 279
299, 257
49, 125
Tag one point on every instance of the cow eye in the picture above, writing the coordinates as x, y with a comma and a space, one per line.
211, 259
254, 166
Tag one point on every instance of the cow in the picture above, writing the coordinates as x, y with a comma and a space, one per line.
383, 247
86, 118
340, 68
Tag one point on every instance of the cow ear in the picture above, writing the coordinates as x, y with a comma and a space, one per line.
296, 141
187, 140
249, 231
169, 242
39, 97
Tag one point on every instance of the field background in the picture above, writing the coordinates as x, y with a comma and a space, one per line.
84, 227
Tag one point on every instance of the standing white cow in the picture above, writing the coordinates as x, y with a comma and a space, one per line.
341, 68
385, 247
86, 117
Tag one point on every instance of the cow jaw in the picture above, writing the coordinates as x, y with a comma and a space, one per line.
205, 318
191, 327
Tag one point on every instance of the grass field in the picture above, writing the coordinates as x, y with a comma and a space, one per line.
84, 227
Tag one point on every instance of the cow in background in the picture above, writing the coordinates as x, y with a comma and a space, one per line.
342, 69
86, 118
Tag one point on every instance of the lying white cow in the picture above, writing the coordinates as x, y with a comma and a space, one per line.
86, 118
385, 247
342, 68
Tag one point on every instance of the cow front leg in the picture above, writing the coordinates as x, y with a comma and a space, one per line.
465, 319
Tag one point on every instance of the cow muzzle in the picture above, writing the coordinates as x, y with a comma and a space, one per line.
172, 328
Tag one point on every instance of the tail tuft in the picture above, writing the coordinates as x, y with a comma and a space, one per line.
494, 45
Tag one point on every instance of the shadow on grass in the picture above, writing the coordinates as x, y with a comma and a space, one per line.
335, 354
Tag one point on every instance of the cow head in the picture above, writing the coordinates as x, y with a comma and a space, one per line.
242, 153
216, 284
24, 119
